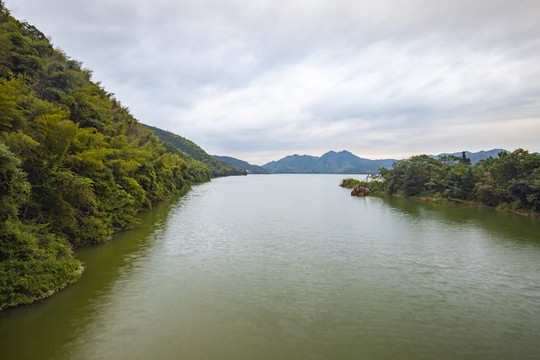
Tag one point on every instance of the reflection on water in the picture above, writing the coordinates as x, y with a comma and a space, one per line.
40, 330
293, 267
506, 225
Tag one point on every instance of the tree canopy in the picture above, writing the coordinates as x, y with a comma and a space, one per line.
510, 181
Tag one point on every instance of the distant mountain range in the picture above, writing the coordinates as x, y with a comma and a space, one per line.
477, 156
344, 162
332, 162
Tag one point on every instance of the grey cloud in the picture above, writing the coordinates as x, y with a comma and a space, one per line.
260, 77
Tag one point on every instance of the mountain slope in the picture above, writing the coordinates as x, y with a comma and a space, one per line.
216, 167
292, 164
332, 162
243, 165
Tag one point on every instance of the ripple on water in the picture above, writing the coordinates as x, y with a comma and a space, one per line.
289, 267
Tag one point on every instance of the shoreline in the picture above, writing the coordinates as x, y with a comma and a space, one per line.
350, 183
468, 203
78, 272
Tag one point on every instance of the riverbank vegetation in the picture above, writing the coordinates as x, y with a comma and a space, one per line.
75, 165
371, 182
509, 182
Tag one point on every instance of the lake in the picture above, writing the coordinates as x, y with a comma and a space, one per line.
293, 267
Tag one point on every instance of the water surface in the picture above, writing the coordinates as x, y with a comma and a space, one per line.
293, 267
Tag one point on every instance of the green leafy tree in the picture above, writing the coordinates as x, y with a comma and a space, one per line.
32, 262
14, 188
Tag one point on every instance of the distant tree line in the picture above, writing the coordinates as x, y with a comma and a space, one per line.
510, 181
75, 165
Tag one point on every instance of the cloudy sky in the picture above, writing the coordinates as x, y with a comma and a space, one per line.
261, 79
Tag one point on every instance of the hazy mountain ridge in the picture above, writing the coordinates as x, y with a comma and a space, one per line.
345, 162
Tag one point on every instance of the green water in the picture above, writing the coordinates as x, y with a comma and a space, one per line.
293, 267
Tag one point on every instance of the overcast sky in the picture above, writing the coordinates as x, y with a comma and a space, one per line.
261, 79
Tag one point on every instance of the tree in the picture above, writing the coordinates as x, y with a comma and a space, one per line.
464, 159
14, 188
11, 114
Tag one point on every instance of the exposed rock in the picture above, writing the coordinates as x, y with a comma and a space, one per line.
359, 190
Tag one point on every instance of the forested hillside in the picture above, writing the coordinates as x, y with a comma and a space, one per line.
173, 141
241, 164
75, 166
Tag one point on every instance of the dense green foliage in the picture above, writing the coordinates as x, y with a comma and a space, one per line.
240, 164
349, 183
510, 181
175, 142
372, 183
75, 166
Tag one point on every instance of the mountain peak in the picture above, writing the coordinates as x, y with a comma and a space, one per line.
332, 162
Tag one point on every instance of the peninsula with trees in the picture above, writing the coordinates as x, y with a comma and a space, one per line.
509, 181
